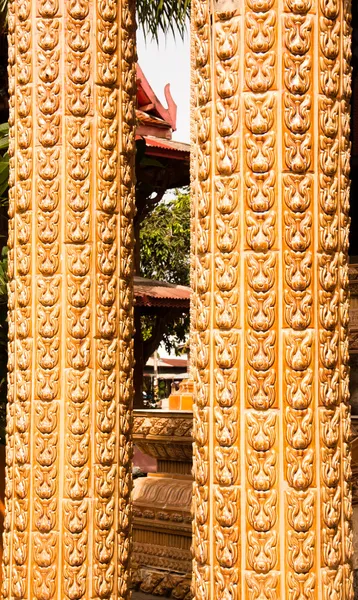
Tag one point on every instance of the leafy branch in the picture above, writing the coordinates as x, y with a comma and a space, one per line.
165, 255
163, 15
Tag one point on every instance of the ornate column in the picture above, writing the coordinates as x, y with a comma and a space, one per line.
270, 190
68, 471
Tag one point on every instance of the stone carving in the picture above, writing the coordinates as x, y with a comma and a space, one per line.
164, 436
270, 182
354, 446
162, 425
68, 465
163, 584
270, 186
159, 557
353, 317
162, 523
163, 499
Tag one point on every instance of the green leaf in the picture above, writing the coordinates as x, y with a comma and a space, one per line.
164, 253
163, 15
4, 171
4, 176
4, 143
151, 162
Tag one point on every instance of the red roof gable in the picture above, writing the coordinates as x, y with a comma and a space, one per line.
155, 125
149, 103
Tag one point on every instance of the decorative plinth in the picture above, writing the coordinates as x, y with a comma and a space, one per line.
162, 521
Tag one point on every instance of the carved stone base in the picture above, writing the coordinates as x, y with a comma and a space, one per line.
162, 556
159, 583
162, 521
355, 584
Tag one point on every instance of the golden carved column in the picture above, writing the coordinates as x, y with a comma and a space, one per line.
68, 462
270, 187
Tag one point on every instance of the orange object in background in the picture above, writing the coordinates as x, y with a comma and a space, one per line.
183, 398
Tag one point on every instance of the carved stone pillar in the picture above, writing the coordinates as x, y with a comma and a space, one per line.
68, 471
270, 120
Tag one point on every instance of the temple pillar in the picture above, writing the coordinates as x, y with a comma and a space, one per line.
68, 453
270, 184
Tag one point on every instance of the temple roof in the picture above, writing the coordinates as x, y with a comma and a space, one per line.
148, 103
161, 147
150, 292
168, 363
155, 125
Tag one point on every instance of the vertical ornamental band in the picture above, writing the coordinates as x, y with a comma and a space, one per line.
72, 142
270, 205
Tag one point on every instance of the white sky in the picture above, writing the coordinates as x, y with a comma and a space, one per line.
168, 62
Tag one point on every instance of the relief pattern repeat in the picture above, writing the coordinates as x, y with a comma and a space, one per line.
72, 144
270, 183
270, 186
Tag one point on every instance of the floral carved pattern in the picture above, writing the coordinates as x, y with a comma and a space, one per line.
270, 186
68, 465
270, 182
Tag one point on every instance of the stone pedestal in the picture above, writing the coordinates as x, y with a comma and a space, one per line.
162, 519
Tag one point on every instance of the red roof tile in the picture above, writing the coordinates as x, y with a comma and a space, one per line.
149, 292
153, 142
176, 362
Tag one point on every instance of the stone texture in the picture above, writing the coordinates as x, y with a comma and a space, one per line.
270, 197
72, 142
162, 520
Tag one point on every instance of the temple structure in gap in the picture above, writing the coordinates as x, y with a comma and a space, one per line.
271, 89
161, 164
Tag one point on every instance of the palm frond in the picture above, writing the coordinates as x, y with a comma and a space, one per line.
154, 16
3, 15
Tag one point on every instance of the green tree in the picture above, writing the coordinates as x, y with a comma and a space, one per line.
165, 241
162, 15
4, 163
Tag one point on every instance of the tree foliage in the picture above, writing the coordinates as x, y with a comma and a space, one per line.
165, 241
162, 15
165, 255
